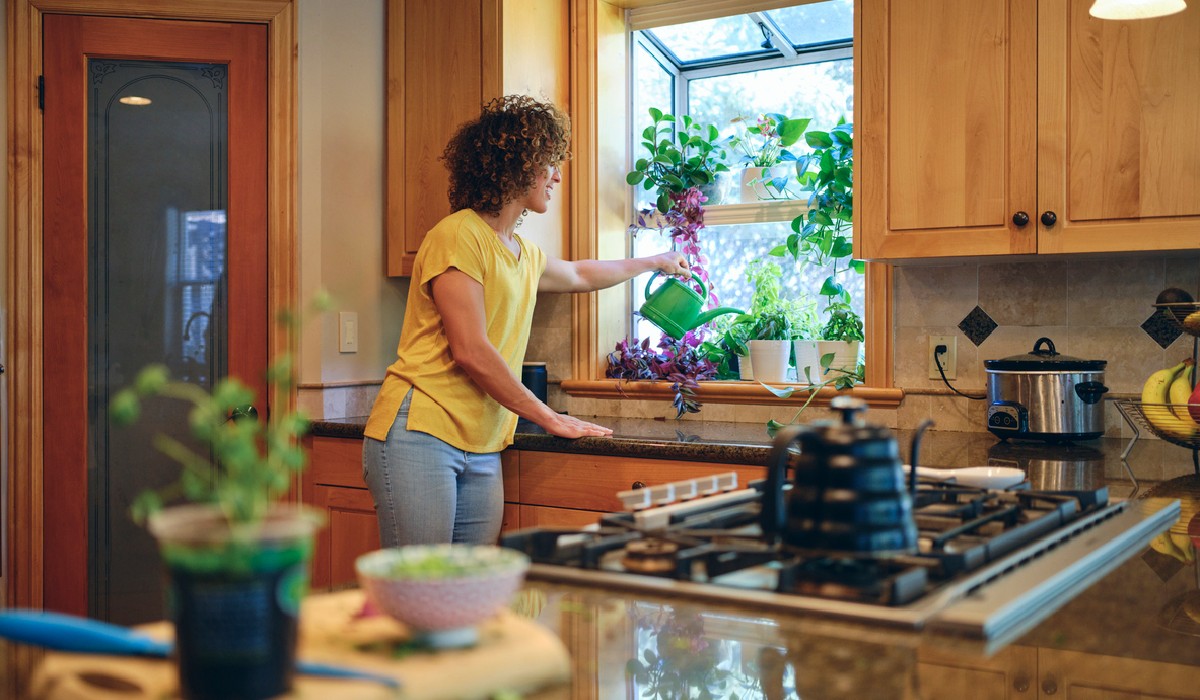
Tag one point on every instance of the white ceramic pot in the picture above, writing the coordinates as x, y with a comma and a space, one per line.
845, 353
807, 357
754, 182
745, 368
771, 360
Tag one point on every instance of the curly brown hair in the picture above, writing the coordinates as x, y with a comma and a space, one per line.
496, 157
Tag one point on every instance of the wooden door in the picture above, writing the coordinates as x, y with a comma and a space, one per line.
70, 43
945, 97
1008, 675
1118, 130
1080, 676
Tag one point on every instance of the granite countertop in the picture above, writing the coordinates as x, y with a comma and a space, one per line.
1136, 614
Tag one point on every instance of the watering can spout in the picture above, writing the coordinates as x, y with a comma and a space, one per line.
713, 313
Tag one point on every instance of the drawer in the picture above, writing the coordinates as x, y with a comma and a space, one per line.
591, 482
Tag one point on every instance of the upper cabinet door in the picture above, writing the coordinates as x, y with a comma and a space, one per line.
946, 94
1119, 130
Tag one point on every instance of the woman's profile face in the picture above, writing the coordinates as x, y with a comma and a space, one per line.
537, 198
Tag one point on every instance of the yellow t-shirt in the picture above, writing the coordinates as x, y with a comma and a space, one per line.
446, 403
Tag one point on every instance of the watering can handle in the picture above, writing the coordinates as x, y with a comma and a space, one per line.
703, 288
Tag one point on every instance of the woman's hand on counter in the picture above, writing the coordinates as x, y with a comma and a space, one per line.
571, 427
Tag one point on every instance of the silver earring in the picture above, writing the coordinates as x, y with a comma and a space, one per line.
520, 219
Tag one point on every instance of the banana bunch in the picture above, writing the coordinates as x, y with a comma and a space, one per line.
1175, 545
1165, 401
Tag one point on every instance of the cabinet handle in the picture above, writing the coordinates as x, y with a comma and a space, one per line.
1049, 685
1048, 218
1021, 682
638, 485
1020, 219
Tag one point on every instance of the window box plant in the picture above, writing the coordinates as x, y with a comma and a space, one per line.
681, 154
237, 558
759, 155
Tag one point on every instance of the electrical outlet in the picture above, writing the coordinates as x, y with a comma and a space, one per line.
347, 331
949, 359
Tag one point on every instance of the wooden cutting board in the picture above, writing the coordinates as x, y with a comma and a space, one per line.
514, 653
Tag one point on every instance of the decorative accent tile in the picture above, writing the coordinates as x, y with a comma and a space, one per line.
977, 326
1161, 329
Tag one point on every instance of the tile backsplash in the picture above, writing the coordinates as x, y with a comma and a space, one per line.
1093, 308
1090, 308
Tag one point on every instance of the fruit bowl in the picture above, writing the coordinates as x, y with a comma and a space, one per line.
1186, 315
1162, 420
442, 592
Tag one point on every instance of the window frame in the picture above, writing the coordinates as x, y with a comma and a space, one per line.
601, 203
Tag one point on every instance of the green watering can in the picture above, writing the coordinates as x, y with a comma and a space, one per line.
676, 308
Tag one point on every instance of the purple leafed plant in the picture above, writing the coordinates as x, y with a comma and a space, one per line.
676, 361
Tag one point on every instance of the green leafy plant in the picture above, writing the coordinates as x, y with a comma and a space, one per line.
822, 236
249, 462
682, 154
765, 141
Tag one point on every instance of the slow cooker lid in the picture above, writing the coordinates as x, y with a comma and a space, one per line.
1045, 358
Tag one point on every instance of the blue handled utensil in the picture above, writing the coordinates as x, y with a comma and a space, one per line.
86, 636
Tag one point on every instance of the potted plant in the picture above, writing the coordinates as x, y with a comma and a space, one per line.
681, 154
237, 558
822, 236
771, 345
682, 362
760, 150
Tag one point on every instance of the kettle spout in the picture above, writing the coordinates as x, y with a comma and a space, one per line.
713, 313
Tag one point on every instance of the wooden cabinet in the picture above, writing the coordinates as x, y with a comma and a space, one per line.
1030, 672
444, 60
975, 117
541, 489
1008, 675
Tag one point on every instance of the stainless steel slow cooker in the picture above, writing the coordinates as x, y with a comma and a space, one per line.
1043, 395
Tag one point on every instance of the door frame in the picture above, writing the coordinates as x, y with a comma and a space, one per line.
23, 326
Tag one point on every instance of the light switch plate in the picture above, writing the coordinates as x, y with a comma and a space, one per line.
347, 331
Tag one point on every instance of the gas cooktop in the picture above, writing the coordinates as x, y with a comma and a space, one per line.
989, 563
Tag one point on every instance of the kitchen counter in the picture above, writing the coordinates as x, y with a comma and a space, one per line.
1129, 632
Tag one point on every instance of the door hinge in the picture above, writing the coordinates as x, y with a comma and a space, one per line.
41, 88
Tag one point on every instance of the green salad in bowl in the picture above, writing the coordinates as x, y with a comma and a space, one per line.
442, 592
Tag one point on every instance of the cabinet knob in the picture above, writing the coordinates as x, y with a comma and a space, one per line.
1021, 682
1048, 218
1020, 218
638, 485
1049, 685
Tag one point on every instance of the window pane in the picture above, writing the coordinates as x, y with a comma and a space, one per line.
823, 92
816, 23
730, 250
653, 86
711, 38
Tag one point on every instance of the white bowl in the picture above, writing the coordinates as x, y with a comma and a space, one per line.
442, 591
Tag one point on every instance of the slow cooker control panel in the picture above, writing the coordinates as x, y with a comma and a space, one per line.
1007, 416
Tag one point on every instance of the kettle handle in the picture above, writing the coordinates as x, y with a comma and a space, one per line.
703, 288
774, 514
912, 457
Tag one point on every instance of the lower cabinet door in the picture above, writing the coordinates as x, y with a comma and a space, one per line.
947, 675
351, 530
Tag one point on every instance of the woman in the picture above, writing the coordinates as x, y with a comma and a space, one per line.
450, 403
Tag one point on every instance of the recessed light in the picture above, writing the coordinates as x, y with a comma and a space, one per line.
134, 100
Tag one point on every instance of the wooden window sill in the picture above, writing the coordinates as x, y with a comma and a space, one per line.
725, 392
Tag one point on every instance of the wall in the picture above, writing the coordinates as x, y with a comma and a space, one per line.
341, 185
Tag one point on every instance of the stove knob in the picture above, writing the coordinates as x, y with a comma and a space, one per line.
1049, 685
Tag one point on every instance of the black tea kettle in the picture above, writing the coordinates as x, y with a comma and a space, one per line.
849, 495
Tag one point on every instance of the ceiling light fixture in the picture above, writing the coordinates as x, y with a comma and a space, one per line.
134, 100
1135, 9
